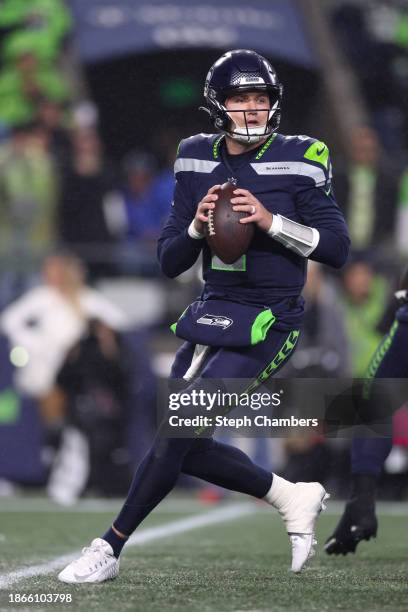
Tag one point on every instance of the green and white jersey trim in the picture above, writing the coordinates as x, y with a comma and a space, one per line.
291, 167
187, 164
237, 266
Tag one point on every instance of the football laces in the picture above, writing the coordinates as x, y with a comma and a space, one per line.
211, 228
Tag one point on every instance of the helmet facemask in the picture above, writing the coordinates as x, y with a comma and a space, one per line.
223, 119
247, 134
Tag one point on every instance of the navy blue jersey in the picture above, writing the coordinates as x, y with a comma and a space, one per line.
290, 175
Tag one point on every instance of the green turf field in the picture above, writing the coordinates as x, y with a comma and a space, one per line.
238, 562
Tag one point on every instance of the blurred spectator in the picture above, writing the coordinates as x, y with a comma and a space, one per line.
28, 198
365, 299
368, 191
142, 220
394, 481
148, 194
40, 25
49, 319
24, 83
323, 348
85, 115
51, 117
43, 326
373, 37
163, 186
88, 194
143, 216
95, 381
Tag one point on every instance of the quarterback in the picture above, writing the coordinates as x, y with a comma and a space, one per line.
283, 183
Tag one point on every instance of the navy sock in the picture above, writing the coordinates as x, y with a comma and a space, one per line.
115, 541
368, 455
226, 466
363, 488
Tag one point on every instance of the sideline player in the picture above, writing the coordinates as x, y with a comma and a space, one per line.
359, 521
284, 183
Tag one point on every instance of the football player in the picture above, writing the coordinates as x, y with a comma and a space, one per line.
359, 521
284, 184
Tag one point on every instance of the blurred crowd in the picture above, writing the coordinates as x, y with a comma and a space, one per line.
70, 218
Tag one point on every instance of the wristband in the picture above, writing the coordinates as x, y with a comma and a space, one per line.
192, 232
297, 237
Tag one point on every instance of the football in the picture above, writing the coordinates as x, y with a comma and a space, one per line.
226, 236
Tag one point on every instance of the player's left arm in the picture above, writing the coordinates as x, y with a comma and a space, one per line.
318, 209
321, 232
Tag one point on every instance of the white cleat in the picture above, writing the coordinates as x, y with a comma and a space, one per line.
300, 514
96, 564
299, 505
302, 506
302, 550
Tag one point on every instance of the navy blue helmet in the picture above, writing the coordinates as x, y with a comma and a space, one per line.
239, 71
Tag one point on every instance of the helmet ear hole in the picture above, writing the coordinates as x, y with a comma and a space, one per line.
241, 70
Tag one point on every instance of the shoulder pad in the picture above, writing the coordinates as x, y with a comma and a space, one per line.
311, 156
309, 149
197, 146
198, 153
318, 152
303, 147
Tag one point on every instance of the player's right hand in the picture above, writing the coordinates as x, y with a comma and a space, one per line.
203, 206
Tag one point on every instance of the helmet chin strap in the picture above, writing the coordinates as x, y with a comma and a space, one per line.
247, 134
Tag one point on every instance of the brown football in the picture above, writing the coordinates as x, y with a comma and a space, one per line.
226, 236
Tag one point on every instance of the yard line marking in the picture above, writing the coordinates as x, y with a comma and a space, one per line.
36, 505
149, 534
